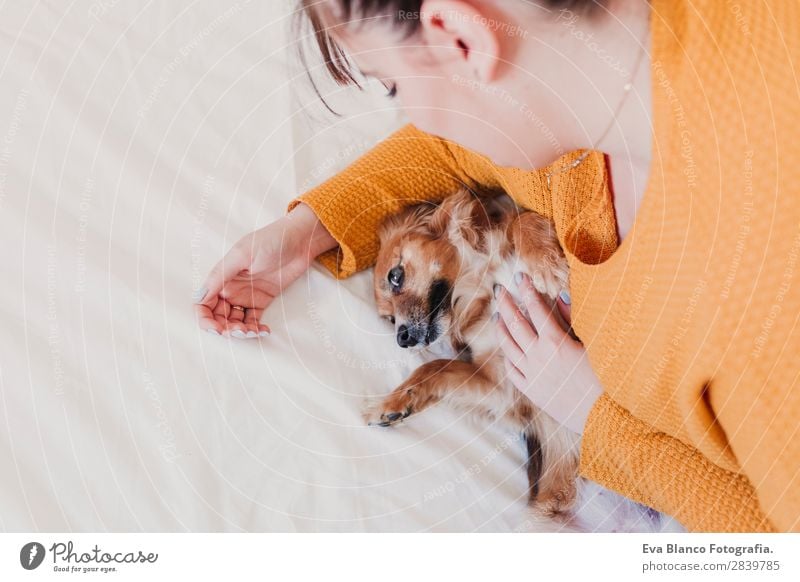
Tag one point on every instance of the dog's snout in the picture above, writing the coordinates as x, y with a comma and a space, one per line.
406, 337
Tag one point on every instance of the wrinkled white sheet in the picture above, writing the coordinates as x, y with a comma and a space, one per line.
138, 141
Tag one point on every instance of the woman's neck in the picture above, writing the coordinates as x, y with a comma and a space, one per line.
605, 96
629, 144
602, 79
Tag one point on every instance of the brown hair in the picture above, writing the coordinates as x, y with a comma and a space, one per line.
404, 15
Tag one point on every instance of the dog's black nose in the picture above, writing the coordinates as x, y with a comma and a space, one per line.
404, 337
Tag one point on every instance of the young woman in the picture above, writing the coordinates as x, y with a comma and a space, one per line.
660, 137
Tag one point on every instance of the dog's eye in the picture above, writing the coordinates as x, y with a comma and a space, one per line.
391, 318
395, 277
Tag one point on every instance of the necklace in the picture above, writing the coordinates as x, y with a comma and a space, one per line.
626, 91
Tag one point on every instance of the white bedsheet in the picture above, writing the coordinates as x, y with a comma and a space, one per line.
138, 141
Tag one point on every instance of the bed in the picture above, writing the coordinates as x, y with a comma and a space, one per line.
138, 141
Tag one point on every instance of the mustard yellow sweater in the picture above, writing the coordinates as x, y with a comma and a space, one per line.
692, 322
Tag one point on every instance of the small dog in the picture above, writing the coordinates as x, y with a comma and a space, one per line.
434, 280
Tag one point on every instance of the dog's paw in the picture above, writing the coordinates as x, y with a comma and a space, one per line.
386, 412
390, 418
548, 282
556, 502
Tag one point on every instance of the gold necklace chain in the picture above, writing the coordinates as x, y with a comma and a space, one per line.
626, 91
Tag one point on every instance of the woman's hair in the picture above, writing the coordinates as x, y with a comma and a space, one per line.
404, 15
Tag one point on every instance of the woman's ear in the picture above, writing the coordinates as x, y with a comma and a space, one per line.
461, 38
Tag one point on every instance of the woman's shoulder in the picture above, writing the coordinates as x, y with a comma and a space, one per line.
730, 27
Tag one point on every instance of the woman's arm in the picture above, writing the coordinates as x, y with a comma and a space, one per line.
336, 223
757, 405
410, 166
623, 453
256, 270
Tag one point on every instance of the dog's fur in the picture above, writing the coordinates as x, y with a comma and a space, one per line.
434, 276
451, 256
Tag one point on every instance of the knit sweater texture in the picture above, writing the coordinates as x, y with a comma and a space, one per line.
691, 322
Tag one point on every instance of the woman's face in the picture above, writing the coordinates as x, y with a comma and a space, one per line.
491, 106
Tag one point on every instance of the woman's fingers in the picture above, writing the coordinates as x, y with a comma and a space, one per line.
508, 345
224, 320
221, 292
235, 312
230, 327
540, 313
206, 320
518, 325
512, 373
247, 295
565, 309
226, 269
226, 317
254, 326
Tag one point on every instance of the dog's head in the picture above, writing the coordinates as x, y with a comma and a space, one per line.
419, 262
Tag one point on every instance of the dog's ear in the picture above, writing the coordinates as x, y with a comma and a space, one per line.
409, 219
500, 208
462, 217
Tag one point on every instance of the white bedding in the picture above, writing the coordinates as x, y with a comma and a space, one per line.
138, 141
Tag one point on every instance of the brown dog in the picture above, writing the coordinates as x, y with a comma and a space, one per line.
434, 276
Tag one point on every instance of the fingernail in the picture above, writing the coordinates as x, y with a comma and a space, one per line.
238, 333
263, 333
496, 290
252, 334
199, 294
518, 278
565, 296
212, 331
495, 316
538, 280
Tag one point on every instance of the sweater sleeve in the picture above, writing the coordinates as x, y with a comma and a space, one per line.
757, 406
626, 455
409, 167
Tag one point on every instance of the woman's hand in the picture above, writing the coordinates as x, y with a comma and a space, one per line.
255, 271
542, 360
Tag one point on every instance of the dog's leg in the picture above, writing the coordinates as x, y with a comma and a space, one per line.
429, 384
534, 239
557, 488
555, 492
